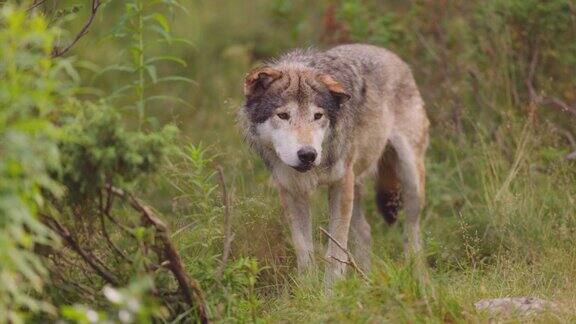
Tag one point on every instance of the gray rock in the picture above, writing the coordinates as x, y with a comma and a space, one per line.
515, 305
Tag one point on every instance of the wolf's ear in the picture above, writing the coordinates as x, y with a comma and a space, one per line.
335, 88
259, 79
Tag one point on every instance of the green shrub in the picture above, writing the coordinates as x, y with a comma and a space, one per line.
32, 87
99, 150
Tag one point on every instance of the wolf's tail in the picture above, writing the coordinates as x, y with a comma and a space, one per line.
388, 186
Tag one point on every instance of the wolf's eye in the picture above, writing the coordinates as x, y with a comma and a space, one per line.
318, 116
284, 116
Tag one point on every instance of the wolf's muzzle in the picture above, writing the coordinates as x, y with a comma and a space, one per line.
307, 155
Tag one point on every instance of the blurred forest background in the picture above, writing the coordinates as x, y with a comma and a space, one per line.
128, 195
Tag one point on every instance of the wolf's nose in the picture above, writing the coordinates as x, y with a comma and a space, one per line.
307, 155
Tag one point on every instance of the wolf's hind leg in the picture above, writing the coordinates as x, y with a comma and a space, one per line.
360, 230
412, 174
297, 209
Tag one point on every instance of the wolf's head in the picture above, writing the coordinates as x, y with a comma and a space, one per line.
291, 109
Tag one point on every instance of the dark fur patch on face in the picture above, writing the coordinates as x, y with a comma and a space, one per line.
329, 103
262, 107
302, 87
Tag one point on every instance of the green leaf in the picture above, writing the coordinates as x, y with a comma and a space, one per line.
176, 78
167, 58
151, 69
169, 98
166, 35
112, 68
177, 40
162, 21
121, 90
66, 65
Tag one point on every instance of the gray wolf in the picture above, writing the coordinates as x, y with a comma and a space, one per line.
339, 118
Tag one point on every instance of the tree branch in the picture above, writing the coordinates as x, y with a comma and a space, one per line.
56, 52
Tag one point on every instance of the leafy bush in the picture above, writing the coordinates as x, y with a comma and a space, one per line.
32, 87
58, 155
100, 151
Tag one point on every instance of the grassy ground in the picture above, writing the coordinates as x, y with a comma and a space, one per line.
501, 211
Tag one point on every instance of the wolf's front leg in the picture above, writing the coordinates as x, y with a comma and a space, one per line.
297, 210
341, 200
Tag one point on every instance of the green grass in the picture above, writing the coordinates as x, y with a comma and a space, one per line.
500, 221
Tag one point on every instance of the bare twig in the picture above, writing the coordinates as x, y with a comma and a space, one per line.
189, 288
35, 4
61, 258
535, 98
558, 103
531, 76
228, 235
183, 228
566, 133
351, 262
108, 207
56, 52
109, 241
102, 210
569, 137
87, 290
71, 242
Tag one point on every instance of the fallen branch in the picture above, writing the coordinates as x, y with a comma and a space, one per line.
189, 288
351, 262
56, 52
228, 235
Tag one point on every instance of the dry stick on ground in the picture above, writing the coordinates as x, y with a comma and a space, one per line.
228, 235
351, 262
189, 288
56, 52
71, 242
